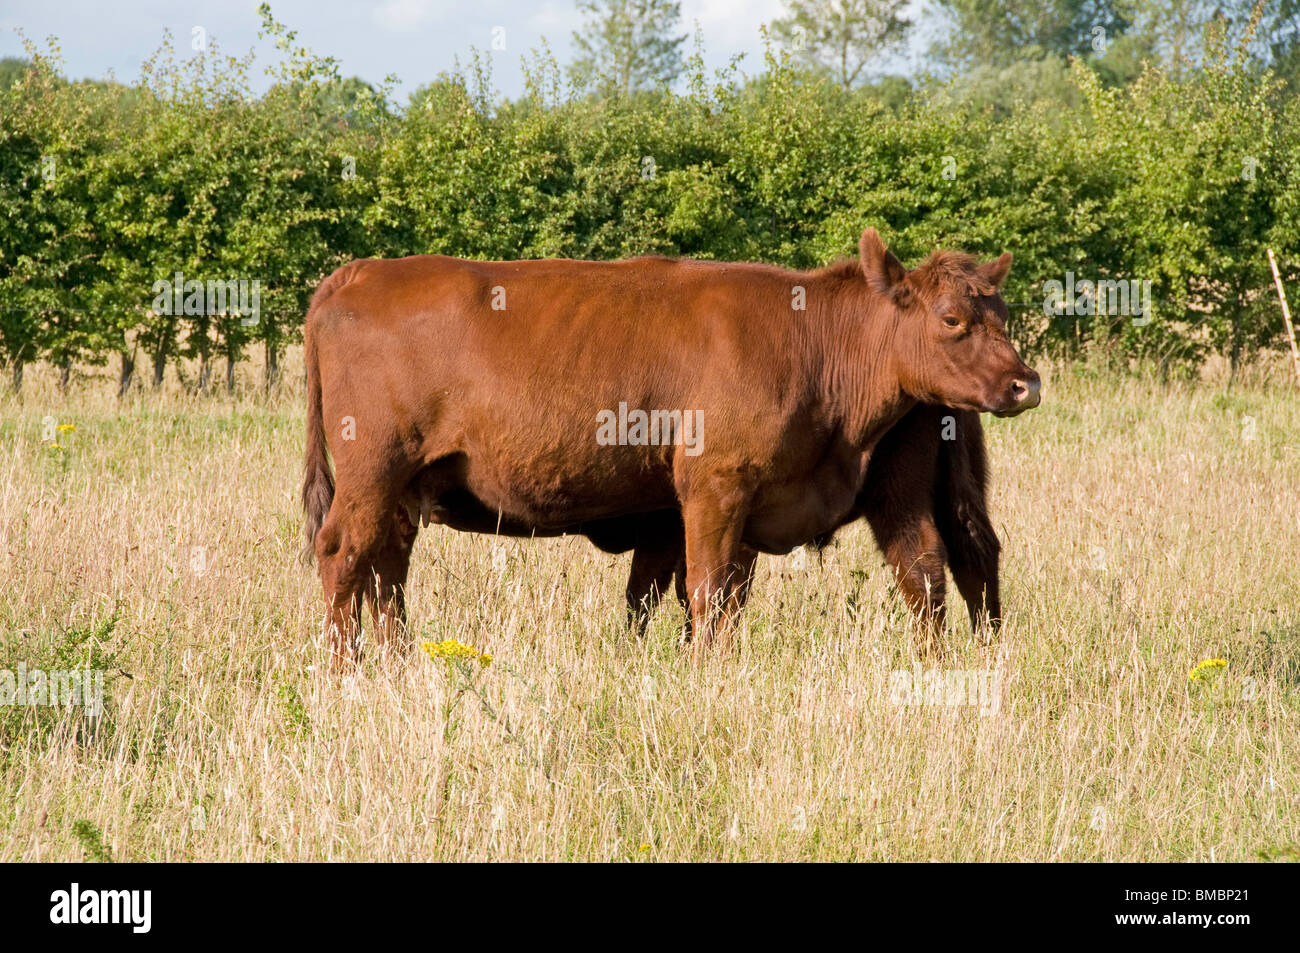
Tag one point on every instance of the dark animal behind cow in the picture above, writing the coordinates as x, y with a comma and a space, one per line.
454, 389
925, 499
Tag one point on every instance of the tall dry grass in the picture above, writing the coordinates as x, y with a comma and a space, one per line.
1143, 530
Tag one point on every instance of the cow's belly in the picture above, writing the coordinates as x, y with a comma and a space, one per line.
560, 509
784, 517
776, 532
550, 494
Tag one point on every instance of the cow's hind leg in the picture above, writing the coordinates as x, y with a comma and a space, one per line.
658, 548
973, 558
349, 550
961, 512
649, 578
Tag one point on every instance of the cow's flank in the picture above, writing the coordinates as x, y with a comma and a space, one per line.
468, 393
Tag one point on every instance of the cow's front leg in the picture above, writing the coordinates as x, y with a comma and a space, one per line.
644, 592
716, 560
354, 533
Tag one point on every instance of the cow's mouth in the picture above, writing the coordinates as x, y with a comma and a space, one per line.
1014, 412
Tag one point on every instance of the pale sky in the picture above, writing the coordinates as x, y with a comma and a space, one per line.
416, 39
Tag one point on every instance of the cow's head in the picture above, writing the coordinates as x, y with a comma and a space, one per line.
951, 345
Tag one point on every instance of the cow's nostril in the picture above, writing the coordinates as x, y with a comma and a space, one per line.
1025, 392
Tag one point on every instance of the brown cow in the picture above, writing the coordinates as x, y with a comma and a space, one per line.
447, 387
924, 498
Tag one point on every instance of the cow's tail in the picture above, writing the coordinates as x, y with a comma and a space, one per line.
962, 517
318, 478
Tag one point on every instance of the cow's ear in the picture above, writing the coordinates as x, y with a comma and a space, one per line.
996, 270
884, 272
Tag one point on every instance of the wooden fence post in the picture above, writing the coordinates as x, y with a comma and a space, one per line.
1286, 316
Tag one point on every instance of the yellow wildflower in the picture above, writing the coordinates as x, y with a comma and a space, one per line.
67, 428
1203, 670
453, 651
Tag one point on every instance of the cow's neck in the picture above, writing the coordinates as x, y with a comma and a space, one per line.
859, 373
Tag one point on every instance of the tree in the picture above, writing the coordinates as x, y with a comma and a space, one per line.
1177, 32
12, 69
1001, 32
1281, 31
841, 36
47, 138
628, 45
1173, 31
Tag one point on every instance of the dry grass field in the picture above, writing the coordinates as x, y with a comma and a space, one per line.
1146, 527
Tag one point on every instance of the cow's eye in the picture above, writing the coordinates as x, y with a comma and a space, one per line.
951, 321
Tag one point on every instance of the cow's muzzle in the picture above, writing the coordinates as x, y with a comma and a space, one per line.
1023, 395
